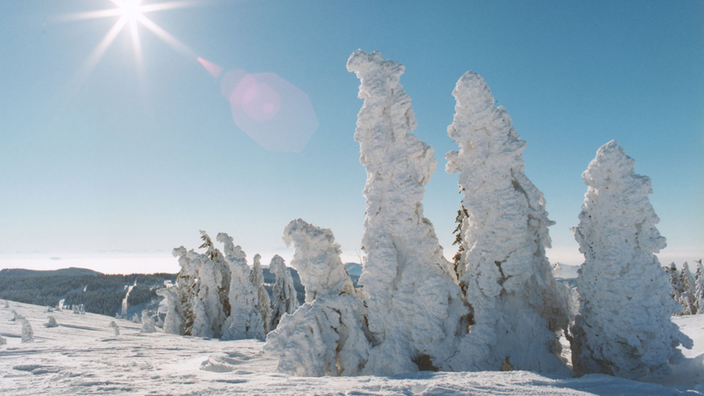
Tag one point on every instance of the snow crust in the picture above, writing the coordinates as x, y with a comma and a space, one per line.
327, 334
624, 326
518, 309
414, 304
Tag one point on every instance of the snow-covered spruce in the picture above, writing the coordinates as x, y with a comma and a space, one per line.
27, 331
244, 321
186, 289
173, 322
263, 304
519, 310
147, 323
325, 336
222, 271
699, 288
51, 322
623, 327
687, 298
283, 293
415, 305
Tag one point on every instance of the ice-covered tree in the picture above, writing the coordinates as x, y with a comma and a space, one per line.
147, 323
51, 322
222, 271
325, 336
115, 327
263, 304
519, 310
27, 331
284, 292
244, 321
687, 299
623, 327
186, 288
414, 302
173, 322
699, 288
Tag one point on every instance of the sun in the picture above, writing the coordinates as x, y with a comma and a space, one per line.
130, 9
130, 14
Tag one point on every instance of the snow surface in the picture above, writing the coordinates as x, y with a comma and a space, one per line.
82, 356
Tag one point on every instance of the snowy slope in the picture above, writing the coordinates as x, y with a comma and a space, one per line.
83, 356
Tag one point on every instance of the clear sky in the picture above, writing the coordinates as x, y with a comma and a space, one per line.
137, 150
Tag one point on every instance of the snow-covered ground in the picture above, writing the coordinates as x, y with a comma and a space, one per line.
83, 356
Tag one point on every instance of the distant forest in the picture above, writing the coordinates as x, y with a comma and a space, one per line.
99, 293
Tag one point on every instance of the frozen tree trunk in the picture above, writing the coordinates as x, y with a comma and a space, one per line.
326, 336
173, 323
27, 331
519, 310
284, 293
623, 327
263, 304
414, 302
51, 322
245, 321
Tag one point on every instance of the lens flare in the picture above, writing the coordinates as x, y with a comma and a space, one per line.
273, 112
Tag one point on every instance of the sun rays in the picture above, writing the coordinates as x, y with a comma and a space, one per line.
130, 14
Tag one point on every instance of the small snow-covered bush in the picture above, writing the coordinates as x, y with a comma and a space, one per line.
623, 327
147, 323
115, 327
27, 331
51, 322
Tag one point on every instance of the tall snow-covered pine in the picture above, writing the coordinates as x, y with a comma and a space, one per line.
519, 310
415, 305
623, 327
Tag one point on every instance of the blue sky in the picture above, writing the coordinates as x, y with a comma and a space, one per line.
120, 159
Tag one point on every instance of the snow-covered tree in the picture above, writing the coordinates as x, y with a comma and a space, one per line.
173, 322
459, 258
7, 304
222, 271
263, 304
699, 288
325, 336
115, 327
244, 321
283, 292
519, 310
51, 322
623, 327
186, 288
27, 331
147, 323
414, 302
687, 298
